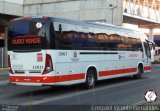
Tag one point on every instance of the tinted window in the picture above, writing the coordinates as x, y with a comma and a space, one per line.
117, 42
28, 35
70, 36
27, 27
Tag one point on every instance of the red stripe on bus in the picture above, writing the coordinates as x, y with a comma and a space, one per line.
116, 72
147, 68
47, 79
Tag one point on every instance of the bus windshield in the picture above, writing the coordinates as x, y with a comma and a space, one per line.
27, 34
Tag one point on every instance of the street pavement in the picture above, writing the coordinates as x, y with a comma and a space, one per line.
119, 91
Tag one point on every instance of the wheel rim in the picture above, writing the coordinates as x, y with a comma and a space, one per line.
90, 80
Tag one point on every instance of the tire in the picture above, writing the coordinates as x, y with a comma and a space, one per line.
139, 74
90, 79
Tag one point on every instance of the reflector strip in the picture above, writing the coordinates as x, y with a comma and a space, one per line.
39, 57
47, 79
147, 68
71, 77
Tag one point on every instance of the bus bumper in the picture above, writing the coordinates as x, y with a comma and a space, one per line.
32, 80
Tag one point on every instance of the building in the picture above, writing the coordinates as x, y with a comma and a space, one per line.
8, 10
110, 11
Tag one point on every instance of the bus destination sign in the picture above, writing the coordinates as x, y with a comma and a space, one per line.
26, 40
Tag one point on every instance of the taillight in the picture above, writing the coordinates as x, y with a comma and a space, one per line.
48, 65
9, 65
27, 17
44, 17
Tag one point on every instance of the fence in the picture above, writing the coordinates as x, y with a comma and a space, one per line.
143, 8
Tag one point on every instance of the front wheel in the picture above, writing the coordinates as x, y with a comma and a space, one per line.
90, 79
139, 74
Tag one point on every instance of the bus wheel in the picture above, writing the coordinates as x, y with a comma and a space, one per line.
139, 74
90, 79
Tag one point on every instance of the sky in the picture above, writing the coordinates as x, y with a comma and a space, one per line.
14, 1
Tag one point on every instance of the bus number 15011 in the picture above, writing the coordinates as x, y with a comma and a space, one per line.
37, 67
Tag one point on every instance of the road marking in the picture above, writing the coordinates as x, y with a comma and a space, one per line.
138, 103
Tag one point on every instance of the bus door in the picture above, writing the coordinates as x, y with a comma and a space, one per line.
147, 53
152, 48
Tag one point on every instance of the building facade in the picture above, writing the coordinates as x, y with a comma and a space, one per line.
110, 11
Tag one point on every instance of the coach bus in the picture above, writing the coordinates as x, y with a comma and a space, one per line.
56, 51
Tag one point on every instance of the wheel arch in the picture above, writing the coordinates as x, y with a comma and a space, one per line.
140, 65
92, 67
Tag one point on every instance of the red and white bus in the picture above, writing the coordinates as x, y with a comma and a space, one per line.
56, 51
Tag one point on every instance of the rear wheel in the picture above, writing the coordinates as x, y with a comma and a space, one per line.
139, 73
90, 79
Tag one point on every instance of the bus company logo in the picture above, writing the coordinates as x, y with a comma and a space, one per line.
150, 96
39, 57
75, 56
133, 55
39, 25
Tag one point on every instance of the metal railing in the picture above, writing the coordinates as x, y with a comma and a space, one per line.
142, 8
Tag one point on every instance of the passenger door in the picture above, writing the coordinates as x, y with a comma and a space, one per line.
147, 53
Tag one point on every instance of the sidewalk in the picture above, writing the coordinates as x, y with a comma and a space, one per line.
4, 72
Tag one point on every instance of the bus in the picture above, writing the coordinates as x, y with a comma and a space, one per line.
56, 51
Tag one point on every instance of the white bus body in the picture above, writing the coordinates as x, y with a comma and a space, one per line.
110, 52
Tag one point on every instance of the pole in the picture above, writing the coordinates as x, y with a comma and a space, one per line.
112, 10
112, 15
2, 57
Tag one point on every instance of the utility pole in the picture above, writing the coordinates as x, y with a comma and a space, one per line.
111, 7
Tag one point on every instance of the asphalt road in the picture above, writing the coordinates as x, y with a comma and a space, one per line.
120, 91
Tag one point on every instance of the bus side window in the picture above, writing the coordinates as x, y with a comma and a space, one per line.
65, 34
137, 45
